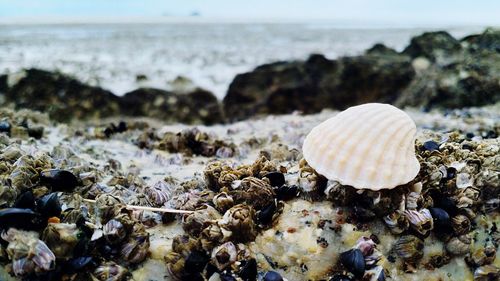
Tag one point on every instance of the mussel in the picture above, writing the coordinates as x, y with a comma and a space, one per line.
272, 276
24, 219
354, 261
59, 180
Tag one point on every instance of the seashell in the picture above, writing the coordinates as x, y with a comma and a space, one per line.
396, 222
223, 202
110, 271
272, 276
459, 246
59, 180
354, 261
365, 245
487, 273
248, 269
238, 223
461, 224
441, 218
196, 262
370, 146
27, 252
114, 231
224, 255
483, 255
375, 274
409, 247
62, 239
421, 221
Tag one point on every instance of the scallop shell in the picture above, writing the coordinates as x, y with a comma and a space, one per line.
370, 146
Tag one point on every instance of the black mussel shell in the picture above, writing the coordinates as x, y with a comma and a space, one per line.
35, 132
442, 221
192, 276
444, 202
354, 261
80, 263
227, 277
451, 173
286, 192
210, 270
196, 261
49, 205
275, 178
5, 127
340, 277
272, 276
122, 127
265, 215
430, 146
59, 180
381, 277
364, 214
25, 201
24, 219
248, 271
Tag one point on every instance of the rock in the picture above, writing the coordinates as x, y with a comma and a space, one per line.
317, 83
488, 40
432, 45
472, 79
61, 96
3, 84
196, 107
381, 49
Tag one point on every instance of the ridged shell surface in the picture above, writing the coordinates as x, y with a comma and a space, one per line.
370, 146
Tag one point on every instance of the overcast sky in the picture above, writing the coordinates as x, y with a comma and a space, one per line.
404, 12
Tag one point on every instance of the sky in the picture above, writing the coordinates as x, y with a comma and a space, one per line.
452, 12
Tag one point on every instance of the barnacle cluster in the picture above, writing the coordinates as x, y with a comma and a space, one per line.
189, 142
217, 233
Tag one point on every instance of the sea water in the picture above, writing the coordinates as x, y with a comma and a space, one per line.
210, 54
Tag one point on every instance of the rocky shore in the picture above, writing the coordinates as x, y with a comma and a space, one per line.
434, 71
259, 211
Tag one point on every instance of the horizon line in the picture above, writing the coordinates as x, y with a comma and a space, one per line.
343, 23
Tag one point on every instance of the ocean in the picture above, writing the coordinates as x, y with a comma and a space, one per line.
113, 56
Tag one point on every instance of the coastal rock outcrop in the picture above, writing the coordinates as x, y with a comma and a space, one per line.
471, 78
434, 71
63, 98
317, 83
433, 45
195, 107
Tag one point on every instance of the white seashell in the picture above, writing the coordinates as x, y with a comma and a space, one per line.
370, 146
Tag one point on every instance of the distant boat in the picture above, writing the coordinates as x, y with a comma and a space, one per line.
195, 14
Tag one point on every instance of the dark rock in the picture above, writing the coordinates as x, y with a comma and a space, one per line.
381, 49
3, 84
318, 83
432, 44
196, 107
61, 96
471, 79
488, 40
